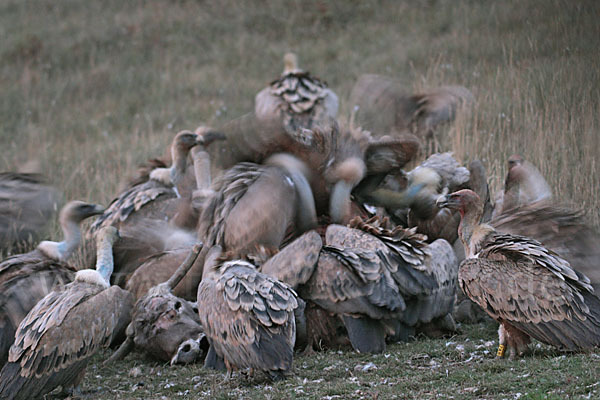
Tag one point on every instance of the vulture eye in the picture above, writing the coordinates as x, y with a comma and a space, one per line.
177, 306
186, 348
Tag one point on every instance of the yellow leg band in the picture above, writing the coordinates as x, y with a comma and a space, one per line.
501, 349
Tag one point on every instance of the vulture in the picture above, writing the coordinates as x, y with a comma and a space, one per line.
381, 279
333, 153
524, 184
258, 205
56, 340
143, 211
158, 267
165, 326
530, 212
383, 106
297, 99
27, 203
530, 290
27, 278
248, 317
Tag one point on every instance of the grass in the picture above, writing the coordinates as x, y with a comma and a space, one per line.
92, 89
461, 367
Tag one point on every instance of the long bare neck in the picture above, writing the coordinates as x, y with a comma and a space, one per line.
468, 225
177, 170
72, 238
201, 169
104, 259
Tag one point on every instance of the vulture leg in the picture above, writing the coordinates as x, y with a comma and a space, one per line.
213, 361
301, 328
402, 332
366, 335
516, 341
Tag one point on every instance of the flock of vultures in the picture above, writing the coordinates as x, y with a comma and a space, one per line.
287, 231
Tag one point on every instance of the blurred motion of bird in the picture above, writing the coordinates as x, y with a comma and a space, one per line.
27, 203
27, 278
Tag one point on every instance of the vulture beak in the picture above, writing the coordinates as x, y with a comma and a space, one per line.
95, 209
208, 137
448, 201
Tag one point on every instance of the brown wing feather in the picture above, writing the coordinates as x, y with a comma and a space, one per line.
60, 334
252, 204
560, 229
24, 280
131, 201
68, 326
295, 263
520, 248
353, 282
533, 299
249, 318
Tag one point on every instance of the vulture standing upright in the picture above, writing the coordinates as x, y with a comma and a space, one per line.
530, 290
297, 98
27, 278
248, 317
56, 340
27, 203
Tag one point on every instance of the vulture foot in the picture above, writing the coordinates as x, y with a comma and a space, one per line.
366, 335
516, 341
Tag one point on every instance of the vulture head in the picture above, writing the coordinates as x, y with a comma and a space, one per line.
290, 64
71, 216
464, 201
513, 160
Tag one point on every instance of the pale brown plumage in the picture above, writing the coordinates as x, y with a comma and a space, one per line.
27, 203
144, 211
257, 205
560, 229
297, 99
248, 317
27, 278
375, 274
59, 335
161, 322
530, 290
383, 106
524, 184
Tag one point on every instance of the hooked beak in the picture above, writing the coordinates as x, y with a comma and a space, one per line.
96, 210
208, 137
447, 201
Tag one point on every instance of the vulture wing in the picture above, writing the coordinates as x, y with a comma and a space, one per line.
535, 298
560, 229
25, 279
59, 335
249, 318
